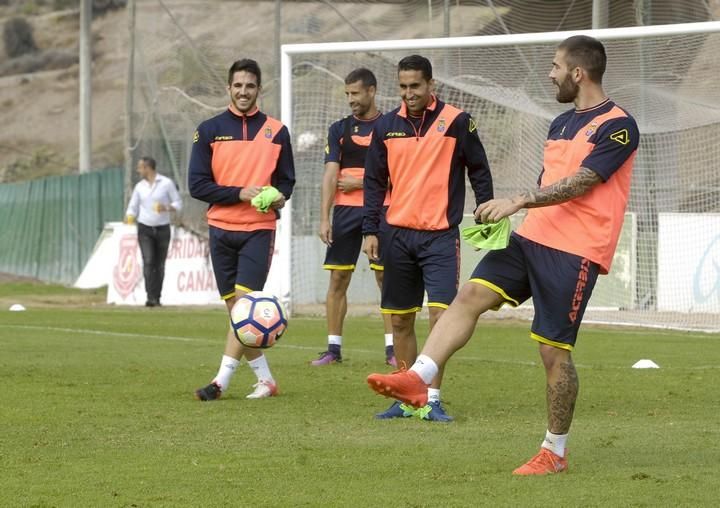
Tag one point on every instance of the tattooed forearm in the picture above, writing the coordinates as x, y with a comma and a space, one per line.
562, 190
561, 395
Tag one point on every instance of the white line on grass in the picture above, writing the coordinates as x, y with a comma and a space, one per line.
294, 346
105, 332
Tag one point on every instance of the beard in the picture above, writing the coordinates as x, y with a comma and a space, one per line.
567, 91
360, 109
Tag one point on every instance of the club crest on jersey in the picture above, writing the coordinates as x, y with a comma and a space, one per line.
591, 130
441, 125
356, 129
268, 132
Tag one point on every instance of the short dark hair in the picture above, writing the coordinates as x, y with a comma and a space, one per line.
247, 65
587, 53
148, 161
416, 63
361, 74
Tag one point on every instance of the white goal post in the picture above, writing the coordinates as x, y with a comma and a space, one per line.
663, 74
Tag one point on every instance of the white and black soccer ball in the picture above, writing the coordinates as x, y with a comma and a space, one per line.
258, 319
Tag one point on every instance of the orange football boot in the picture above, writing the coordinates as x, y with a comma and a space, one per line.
545, 462
403, 385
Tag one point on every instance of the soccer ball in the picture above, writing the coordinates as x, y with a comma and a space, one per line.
258, 319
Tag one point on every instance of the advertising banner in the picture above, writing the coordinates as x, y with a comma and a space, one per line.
189, 279
689, 262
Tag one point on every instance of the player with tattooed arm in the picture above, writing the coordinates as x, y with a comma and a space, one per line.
568, 238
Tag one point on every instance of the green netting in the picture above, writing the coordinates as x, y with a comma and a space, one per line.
48, 227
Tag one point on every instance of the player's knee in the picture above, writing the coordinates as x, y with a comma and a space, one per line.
403, 324
435, 313
477, 296
379, 277
339, 281
552, 357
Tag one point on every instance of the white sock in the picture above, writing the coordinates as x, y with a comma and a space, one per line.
261, 369
335, 339
555, 443
433, 395
228, 364
388, 339
426, 368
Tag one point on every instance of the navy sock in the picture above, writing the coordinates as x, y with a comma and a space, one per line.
389, 351
335, 349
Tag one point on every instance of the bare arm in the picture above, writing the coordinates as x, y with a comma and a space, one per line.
563, 190
329, 185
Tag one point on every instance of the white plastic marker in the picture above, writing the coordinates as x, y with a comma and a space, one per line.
645, 364
16, 307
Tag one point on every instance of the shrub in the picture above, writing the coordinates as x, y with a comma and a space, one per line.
18, 38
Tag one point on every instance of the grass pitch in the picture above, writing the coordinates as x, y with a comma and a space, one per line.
97, 410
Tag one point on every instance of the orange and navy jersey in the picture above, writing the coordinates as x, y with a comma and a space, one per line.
604, 139
231, 151
423, 161
347, 144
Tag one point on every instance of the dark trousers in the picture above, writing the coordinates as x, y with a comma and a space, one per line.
154, 243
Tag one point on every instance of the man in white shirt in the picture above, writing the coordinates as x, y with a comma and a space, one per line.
153, 198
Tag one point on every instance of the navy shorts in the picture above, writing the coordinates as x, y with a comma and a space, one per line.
559, 283
348, 238
241, 259
419, 261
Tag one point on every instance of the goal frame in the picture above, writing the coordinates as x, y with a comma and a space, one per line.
283, 264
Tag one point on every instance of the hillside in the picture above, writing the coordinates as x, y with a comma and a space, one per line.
39, 113
39, 110
39, 116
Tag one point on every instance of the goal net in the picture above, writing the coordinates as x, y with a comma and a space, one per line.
666, 271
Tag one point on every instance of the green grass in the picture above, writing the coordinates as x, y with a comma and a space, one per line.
97, 410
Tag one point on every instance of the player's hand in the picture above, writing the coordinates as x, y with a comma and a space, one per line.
371, 247
130, 219
348, 183
496, 209
325, 232
247, 193
279, 202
